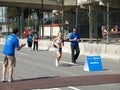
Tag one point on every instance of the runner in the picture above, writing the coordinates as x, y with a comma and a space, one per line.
58, 42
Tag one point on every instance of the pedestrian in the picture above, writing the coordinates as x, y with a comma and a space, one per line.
58, 42
11, 43
36, 37
30, 40
74, 38
104, 33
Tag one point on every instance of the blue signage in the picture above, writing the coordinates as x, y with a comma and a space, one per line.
93, 63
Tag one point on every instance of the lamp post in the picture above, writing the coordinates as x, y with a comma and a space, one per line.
51, 27
42, 19
108, 22
90, 24
2, 14
21, 22
76, 15
101, 3
62, 3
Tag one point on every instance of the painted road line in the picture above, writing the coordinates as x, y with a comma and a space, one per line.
49, 89
74, 88
68, 63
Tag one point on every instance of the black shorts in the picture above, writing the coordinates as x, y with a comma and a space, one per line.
29, 44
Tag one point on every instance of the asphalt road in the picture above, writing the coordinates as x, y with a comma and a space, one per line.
41, 64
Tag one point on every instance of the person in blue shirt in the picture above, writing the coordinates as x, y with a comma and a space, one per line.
74, 38
11, 44
30, 40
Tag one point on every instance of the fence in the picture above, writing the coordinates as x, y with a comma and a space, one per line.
69, 21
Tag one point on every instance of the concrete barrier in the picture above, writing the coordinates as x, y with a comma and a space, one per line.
110, 51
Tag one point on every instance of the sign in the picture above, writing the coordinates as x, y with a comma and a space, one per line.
93, 63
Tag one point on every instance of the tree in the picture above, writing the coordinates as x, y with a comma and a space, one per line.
12, 12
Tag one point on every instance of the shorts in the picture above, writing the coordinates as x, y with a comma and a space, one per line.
58, 49
9, 61
29, 44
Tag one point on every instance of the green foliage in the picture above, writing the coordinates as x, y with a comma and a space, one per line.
12, 12
30, 22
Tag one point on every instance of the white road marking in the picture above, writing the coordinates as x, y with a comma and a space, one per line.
48, 89
74, 88
68, 63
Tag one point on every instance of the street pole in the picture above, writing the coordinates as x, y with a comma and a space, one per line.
90, 22
2, 14
42, 19
107, 22
76, 15
63, 18
21, 22
51, 28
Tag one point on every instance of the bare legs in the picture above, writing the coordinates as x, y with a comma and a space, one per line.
10, 73
9, 61
4, 73
59, 54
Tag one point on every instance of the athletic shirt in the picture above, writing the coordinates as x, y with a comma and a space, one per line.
11, 43
72, 36
58, 41
35, 36
30, 37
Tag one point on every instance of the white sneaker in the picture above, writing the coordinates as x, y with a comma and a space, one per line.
74, 63
3, 80
56, 63
11, 80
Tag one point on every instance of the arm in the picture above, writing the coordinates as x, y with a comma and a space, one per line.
78, 39
62, 42
54, 40
71, 38
74, 39
22, 45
